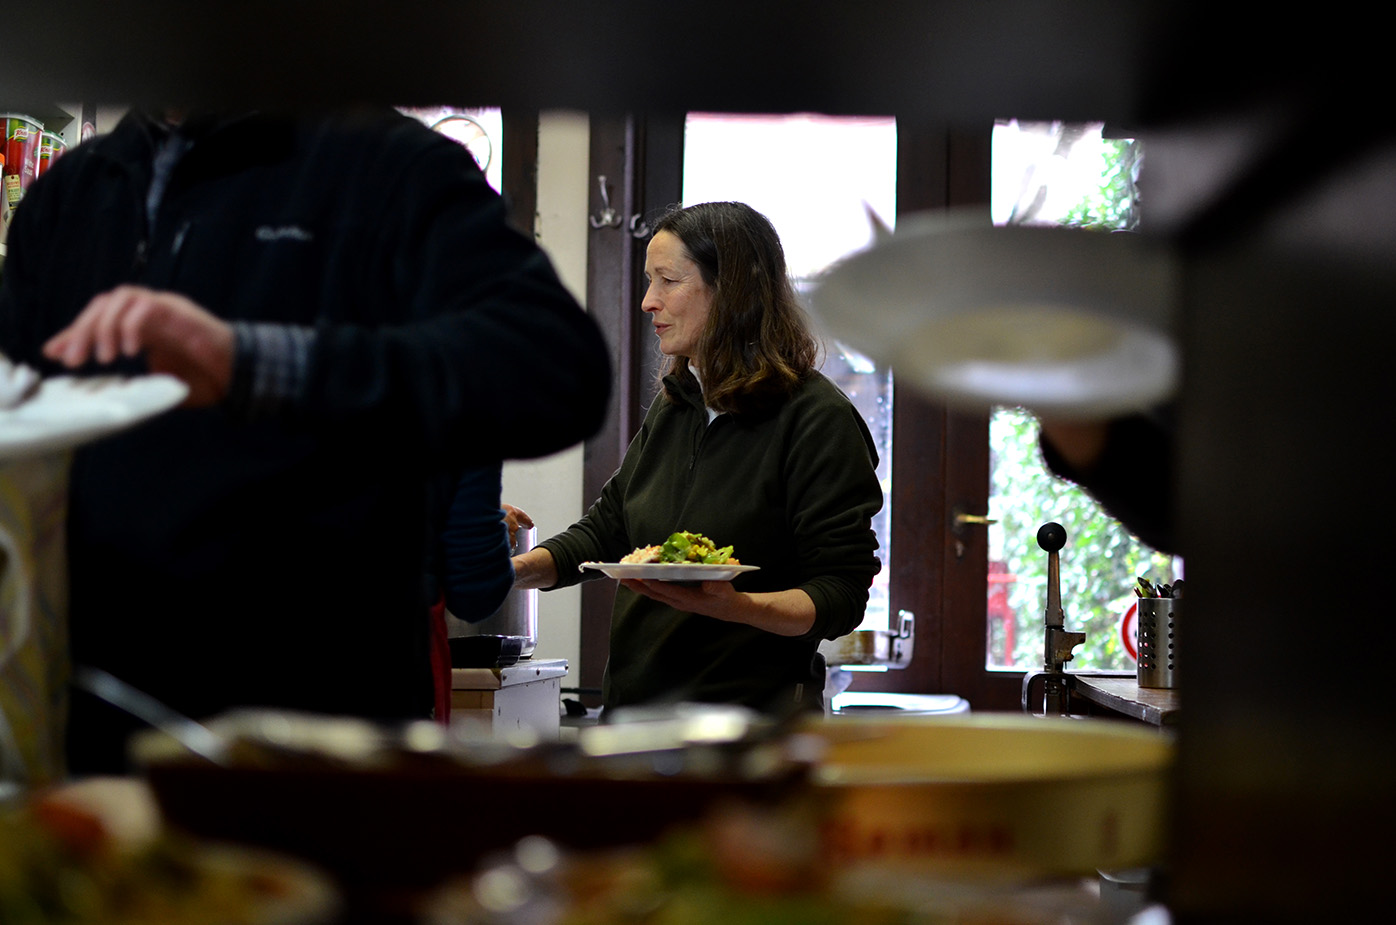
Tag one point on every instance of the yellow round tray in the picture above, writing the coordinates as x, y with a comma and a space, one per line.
992, 795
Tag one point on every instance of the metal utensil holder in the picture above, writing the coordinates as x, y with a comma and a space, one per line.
1158, 641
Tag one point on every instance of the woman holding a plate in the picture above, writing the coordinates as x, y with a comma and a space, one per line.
747, 444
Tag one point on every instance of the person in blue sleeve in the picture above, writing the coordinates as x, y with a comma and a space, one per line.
471, 572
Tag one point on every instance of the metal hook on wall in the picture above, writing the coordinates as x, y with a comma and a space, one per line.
639, 228
607, 217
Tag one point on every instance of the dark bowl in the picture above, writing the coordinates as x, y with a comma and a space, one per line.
384, 832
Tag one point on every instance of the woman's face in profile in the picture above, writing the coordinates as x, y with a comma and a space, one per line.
677, 300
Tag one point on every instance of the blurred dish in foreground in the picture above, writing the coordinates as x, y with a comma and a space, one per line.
17, 383
994, 796
67, 411
1062, 321
391, 811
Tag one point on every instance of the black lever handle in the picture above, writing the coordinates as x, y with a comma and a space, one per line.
1051, 536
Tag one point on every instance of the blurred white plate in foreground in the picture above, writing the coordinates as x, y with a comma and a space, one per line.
1062, 321
68, 411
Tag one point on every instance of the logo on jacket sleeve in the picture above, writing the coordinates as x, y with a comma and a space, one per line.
283, 233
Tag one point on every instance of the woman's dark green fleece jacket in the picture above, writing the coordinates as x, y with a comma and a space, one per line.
793, 490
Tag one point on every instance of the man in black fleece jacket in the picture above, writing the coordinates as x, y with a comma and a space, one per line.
349, 308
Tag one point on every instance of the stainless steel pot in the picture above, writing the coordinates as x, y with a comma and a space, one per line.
517, 616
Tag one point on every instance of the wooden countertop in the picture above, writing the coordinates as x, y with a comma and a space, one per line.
1122, 694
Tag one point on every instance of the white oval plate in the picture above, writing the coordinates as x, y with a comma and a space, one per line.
1061, 321
669, 571
69, 410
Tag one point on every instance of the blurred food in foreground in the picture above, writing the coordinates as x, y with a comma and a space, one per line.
741, 865
95, 852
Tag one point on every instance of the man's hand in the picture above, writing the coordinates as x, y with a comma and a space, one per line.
1081, 443
515, 518
177, 336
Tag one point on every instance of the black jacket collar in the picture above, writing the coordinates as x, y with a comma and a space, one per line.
221, 143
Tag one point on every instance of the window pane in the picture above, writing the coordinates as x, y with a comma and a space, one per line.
816, 178
1059, 173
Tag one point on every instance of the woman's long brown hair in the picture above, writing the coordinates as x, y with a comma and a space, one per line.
757, 344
